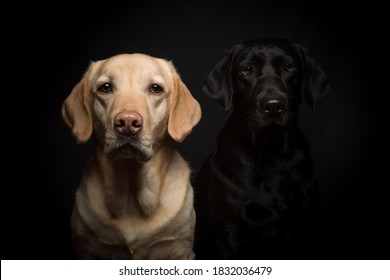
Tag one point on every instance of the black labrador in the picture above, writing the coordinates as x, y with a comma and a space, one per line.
256, 195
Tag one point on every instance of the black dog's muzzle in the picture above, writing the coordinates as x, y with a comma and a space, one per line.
271, 100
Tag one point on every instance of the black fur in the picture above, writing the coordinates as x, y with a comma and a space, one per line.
256, 194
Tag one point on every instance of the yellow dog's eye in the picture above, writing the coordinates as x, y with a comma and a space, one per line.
155, 88
106, 87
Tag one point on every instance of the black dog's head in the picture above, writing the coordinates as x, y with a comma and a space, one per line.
265, 80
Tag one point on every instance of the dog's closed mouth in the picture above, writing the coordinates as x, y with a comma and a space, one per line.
276, 122
256, 118
267, 122
129, 147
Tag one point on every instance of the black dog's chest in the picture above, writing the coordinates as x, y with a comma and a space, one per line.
265, 203
270, 196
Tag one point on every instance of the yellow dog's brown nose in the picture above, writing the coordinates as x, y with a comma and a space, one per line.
128, 123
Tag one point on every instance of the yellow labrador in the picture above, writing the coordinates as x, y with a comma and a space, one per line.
135, 200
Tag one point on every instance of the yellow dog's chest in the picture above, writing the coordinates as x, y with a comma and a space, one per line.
127, 225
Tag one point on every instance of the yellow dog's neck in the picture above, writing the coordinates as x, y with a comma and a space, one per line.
129, 181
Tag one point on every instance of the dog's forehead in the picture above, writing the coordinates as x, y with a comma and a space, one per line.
135, 63
265, 48
133, 66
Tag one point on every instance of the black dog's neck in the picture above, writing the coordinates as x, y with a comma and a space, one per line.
272, 139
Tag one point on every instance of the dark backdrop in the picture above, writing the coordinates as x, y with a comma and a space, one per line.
48, 48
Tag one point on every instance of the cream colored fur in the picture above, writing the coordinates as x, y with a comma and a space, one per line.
135, 200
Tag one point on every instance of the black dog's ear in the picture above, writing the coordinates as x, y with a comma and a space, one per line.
217, 84
315, 83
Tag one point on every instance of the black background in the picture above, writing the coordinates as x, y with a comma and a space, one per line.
48, 48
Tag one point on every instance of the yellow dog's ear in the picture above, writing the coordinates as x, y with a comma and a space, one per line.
76, 109
185, 111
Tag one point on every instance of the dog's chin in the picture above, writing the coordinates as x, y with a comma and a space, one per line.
129, 151
267, 122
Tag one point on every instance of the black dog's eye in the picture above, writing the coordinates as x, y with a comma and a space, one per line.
155, 88
289, 66
106, 87
247, 69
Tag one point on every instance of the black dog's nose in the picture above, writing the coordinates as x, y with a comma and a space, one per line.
273, 107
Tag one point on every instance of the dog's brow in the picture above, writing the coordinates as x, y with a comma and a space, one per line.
103, 79
282, 58
157, 77
256, 58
